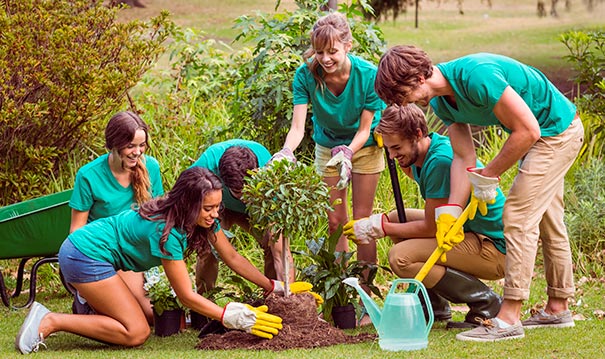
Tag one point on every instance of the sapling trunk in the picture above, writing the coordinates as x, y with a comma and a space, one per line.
284, 257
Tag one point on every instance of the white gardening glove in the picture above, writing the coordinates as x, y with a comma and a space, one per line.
484, 191
251, 320
284, 153
364, 230
341, 161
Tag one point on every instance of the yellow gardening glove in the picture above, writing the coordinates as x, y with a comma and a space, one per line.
297, 288
252, 320
483, 192
445, 217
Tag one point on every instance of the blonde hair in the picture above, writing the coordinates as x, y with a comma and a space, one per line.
328, 30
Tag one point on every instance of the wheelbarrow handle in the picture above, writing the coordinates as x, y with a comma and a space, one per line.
439, 251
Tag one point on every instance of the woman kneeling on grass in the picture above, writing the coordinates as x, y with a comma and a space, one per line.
162, 231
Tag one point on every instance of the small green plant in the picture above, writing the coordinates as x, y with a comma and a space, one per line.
289, 199
328, 268
160, 292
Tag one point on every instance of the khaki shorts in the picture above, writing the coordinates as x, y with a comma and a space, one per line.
368, 160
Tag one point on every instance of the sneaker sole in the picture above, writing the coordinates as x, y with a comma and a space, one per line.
484, 340
559, 325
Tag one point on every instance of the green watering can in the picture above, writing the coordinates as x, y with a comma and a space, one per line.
401, 323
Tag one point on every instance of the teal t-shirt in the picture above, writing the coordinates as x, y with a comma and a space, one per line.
97, 190
336, 118
211, 157
478, 82
434, 182
129, 242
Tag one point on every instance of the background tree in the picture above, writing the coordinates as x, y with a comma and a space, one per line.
65, 66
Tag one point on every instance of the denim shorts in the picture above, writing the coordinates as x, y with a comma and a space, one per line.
76, 267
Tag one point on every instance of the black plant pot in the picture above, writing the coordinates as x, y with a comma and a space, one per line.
168, 323
344, 317
198, 321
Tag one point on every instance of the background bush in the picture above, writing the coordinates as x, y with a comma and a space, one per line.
66, 66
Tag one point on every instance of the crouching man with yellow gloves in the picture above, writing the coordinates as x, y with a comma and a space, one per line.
476, 251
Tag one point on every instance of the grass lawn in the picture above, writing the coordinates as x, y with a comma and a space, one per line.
582, 341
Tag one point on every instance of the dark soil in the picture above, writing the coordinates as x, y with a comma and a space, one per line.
302, 329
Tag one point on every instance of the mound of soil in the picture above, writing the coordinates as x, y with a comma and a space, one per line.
302, 329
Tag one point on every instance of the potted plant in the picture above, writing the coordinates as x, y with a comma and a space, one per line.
289, 199
168, 312
326, 272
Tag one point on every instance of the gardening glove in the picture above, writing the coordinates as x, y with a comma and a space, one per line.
297, 288
341, 161
251, 320
445, 217
364, 230
283, 153
483, 191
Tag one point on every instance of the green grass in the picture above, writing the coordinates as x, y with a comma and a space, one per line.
583, 341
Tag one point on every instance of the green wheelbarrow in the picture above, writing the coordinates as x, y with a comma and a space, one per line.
30, 229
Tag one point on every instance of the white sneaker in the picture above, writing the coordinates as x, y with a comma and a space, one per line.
29, 338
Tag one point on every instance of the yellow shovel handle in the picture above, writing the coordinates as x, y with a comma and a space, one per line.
439, 251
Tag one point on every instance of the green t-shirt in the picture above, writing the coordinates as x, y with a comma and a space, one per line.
97, 190
129, 242
478, 82
211, 157
336, 118
434, 182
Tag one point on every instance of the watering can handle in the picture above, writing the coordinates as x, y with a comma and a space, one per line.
416, 286
397, 281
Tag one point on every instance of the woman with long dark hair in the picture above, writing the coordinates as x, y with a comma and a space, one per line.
162, 231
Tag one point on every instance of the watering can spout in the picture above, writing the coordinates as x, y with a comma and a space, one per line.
371, 307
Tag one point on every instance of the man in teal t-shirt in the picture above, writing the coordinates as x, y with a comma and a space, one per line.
545, 136
426, 158
230, 161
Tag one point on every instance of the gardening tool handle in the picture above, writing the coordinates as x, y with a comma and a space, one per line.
439, 251
394, 179
396, 188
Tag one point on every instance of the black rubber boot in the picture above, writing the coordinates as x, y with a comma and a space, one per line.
460, 287
441, 307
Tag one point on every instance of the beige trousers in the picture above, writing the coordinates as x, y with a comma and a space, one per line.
534, 210
476, 255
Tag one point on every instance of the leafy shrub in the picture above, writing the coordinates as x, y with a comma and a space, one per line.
585, 213
66, 66
290, 199
587, 58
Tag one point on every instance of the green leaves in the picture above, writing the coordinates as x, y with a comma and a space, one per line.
66, 67
286, 198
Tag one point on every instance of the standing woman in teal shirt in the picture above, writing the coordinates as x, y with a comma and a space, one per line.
115, 182
340, 88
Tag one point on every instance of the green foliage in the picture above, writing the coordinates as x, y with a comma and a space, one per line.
288, 198
587, 58
584, 212
253, 83
263, 92
66, 65
159, 291
328, 268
